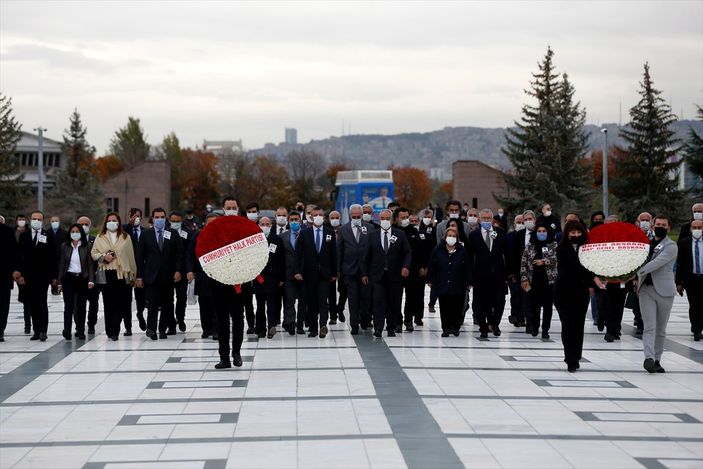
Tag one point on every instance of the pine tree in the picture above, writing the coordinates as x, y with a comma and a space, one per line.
547, 146
647, 168
171, 151
77, 190
129, 144
693, 151
12, 190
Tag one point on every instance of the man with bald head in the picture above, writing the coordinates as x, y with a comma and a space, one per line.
268, 293
697, 210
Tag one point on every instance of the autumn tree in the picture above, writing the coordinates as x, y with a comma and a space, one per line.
129, 144
12, 190
305, 168
267, 183
198, 180
412, 187
107, 166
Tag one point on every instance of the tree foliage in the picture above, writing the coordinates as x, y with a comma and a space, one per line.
267, 183
129, 144
12, 190
305, 168
693, 150
412, 187
647, 168
107, 166
170, 150
198, 179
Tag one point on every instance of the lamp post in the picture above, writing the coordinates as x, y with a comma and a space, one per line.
605, 172
40, 168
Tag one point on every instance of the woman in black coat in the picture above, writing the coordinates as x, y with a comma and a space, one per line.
571, 292
448, 272
76, 274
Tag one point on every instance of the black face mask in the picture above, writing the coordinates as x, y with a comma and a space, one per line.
660, 232
596, 223
579, 240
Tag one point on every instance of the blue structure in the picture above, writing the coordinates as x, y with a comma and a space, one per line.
373, 187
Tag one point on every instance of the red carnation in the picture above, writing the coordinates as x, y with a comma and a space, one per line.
617, 232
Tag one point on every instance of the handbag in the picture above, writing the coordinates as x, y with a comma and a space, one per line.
100, 278
631, 300
192, 297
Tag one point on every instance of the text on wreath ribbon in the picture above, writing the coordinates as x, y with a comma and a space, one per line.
232, 248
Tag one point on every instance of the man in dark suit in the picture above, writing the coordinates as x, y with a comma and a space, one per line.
268, 293
316, 258
515, 246
293, 289
175, 219
134, 229
388, 261
352, 244
93, 293
689, 275
414, 284
9, 268
488, 273
60, 236
697, 210
38, 268
159, 259
367, 216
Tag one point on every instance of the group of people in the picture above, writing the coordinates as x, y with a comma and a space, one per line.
316, 265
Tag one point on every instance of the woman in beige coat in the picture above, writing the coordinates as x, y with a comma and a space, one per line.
116, 273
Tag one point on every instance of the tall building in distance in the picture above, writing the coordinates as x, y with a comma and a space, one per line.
291, 136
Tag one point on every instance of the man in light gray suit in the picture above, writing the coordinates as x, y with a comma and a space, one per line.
352, 244
656, 293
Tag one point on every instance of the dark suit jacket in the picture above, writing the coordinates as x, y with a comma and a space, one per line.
60, 237
38, 262
429, 232
311, 264
291, 264
685, 231
350, 254
377, 262
515, 246
552, 221
185, 237
87, 263
684, 262
485, 265
9, 257
573, 279
421, 249
275, 270
155, 265
192, 264
132, 232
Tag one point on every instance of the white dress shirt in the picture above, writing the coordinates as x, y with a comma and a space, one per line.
74, 266
390, 234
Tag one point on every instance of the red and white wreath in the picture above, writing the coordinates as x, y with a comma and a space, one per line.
615, 251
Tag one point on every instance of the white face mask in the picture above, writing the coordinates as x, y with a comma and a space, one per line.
137, 221
427, 221
645, 226
266, 230
176, 225
112, 226
356, 221
500, 212
334, 222
417, 227
530, 225
231, 213
317, 220
405, 223
75, 236
547, 213
472, 220
281, 220
252, 216
36, 224
696, 233
366, 217
385, 224
451, 240
698, 215
21, 223
55, 225
86, 229
453, 216
519, 226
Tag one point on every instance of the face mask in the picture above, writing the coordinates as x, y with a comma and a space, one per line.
698, 215
317, 220
295, 226
356, 221
112, 225
451, 240
54, 225
519, 226
645, 225
417, 227
547, 213
252, 216
86, 229
697, 233
596, 223
75, 236
385, 224
231, 213
137, 221
366, 217
530, 225
472, 220
281, 220
453, 216
36, 224
660, 232
541, 236
159, 223
405, 223
266, 230
427, 221
500, 213
334, 222
576, 239
176, 225
486, 225
21, 223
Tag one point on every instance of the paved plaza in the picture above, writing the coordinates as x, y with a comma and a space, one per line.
416, 400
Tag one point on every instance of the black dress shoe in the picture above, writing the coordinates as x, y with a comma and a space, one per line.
398, 329
639, 331
378, 334
300, 331
81, 336
115, 338
66, 335
409, 327
535, 331
658, 368
250, 330
364, 326
545, 334
445, 334
431, 309
204, 335
2, 337
601, 326
323, 332
528, 330
483, 335
222, 365
182, 325
650, 366
271, 332
142, 322
162, 335
496, 331
572, 368
42, 337
91, 330
152, 336
237, 360
391, 334
27, 330
215, 336
332, 322
341, 317
455, 332
697, 337
609, 337
616, 337
171, 331
291, 331
34, 337
312, 334
418, 322
354, 331
127, 333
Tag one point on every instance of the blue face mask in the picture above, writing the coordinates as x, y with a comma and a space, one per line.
486, 225
159, 223
295, 226
541, 236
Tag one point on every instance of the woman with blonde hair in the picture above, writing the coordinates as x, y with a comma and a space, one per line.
116, 272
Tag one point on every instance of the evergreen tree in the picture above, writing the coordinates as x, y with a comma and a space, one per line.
77, 190
547, 147
129, 143
693, 151
12, 190
646, 169
171, 150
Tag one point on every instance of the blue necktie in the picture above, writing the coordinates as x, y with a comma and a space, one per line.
293, 239
318, 240
160, 240
698, 257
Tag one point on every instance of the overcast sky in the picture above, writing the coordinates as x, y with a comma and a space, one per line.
226, 70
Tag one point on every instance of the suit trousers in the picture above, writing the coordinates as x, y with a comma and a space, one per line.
116, 302
181, 299
572, 314
656, 310
359, 296
342, 298
159, 295
517, 313
332, 300
37, 292
22, 298
694, 292
268, 307
208, 319
75, 297
451, 311
248, 297
229, 306
387, 297
5, 294
489, 303
293, 290
615, 297
317, 292
415, 299
93, 304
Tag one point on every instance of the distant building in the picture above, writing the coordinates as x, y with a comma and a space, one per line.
291, 136
223, 147
475, 182
27, 152
145, 186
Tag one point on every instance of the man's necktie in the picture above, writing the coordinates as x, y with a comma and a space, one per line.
318, 240
160, 240
698, 257
35, 238
357, 233
488, 239
385, 242
293, 240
